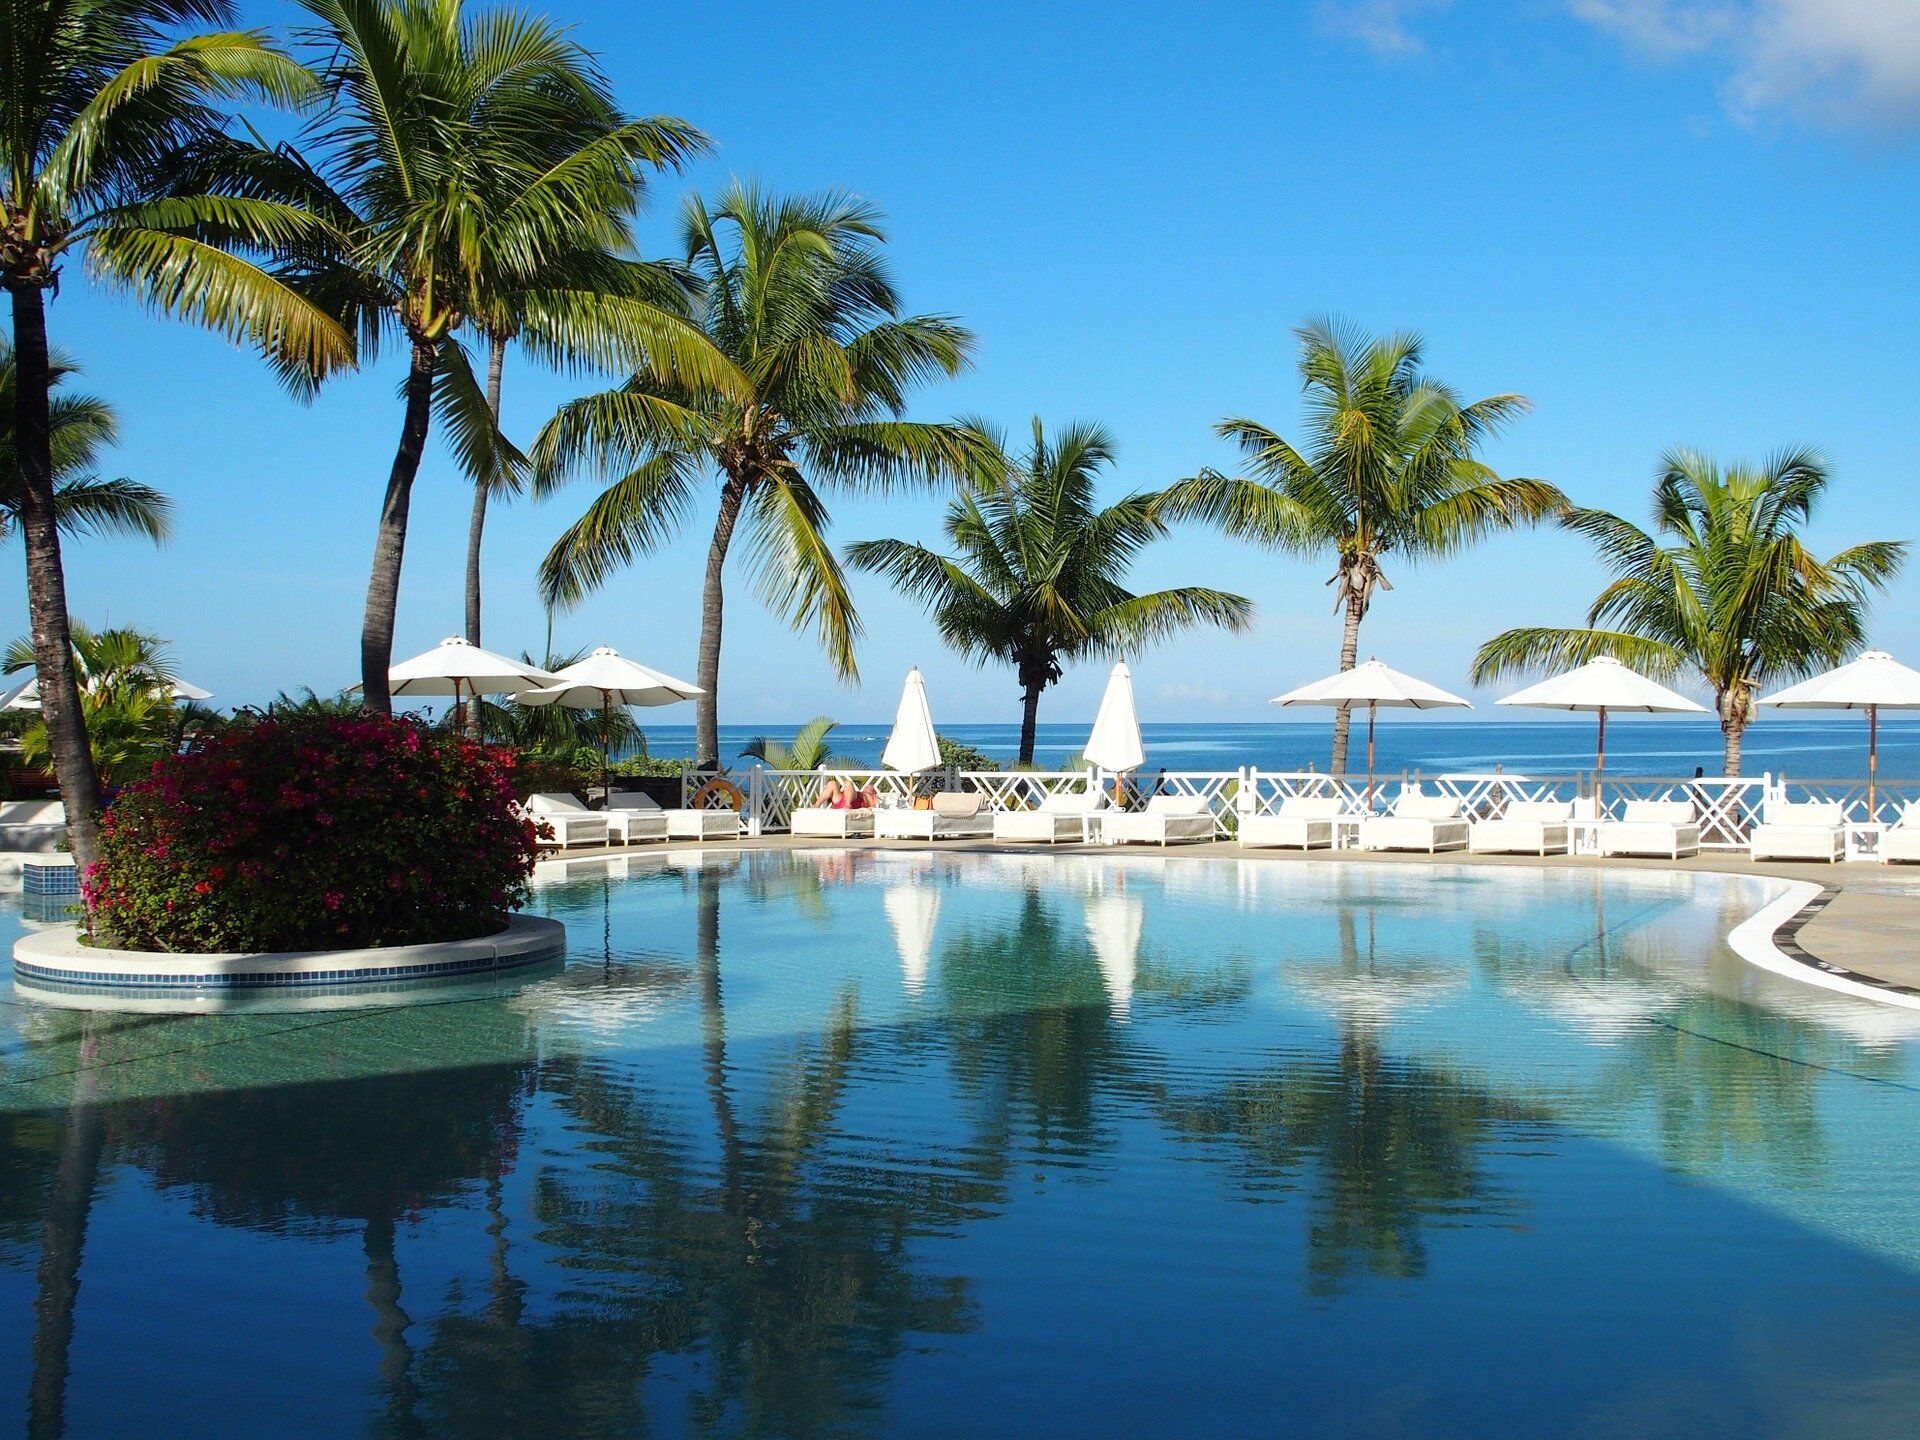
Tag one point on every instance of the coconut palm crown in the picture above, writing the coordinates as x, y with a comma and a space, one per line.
1722, 587
100, 102
1389, 469
810, 365
1035, 577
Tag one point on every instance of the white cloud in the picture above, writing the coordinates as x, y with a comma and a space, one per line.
1189, 693
1383, 26
1846, 62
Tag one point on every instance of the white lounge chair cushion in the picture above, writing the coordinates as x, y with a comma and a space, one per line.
33, 812
1658, 812
1310, 807
1808, 812
1177, 805
955, 805
632, 800
1073, 802
1411, 806
1539, 812
554, 804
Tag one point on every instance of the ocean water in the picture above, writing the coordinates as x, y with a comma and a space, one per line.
859, 1144
1826, 748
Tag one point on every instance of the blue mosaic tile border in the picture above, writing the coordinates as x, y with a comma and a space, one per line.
41, 879
280, 980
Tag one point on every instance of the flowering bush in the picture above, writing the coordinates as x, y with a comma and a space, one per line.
310, 833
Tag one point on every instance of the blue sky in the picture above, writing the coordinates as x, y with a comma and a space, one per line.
1664, 221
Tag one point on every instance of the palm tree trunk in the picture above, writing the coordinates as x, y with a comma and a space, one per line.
1029, 718
706, 744
46, 578
383, 584
1735, 715
1349, 657
390, 1319
477, 524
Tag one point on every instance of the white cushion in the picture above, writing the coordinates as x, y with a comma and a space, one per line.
1808, 812
1414, 806
1540, 812
1311, 807
551, 804
956, 805
1659, 812
1066, 802
1177, 805
33, 812
632, 800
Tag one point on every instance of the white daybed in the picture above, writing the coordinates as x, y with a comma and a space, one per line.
954, 816
1665, 828
1303, 822
1431, 823
1801, 830
682, 824
1902, 839
565, 822
1167, 820
830, 822
1061, 816
1529, 827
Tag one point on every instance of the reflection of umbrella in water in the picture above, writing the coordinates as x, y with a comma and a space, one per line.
1114, 923
1362, 991
913, 911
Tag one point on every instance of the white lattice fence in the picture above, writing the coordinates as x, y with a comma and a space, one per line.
1265, 790
1728, 806
1890, 797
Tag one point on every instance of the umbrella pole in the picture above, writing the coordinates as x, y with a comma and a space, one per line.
1600, 766
606, 738
1873, 756
1371, 711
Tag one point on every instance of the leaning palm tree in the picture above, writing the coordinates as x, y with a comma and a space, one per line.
1035, 578
455, 148
99, 101
1389, 469
810, 365
1723, 586
79, 428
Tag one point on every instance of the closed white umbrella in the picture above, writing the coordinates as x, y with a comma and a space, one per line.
1874, 682
604, 679
1597, 687
1375, 686
912, 747
1115, 742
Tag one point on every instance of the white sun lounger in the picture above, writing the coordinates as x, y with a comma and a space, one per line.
831, 823
682, 824
32, 826
1665, 828
1801, 830
1902, 841
1167, 820
564, 822
954, 816
1303, 822
1061, 816
1529, 827
1430, 823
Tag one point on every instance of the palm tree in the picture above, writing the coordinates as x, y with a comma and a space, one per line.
455, 151
809, 365
101, 101
126, 699
1724, 586
1389, 468
1035, 582
79, 428
810, 749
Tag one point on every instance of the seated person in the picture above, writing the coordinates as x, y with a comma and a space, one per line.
833, 797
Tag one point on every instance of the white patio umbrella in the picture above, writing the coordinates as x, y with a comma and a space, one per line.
604, 679
912, 747
1375, 686
1115, 743
1874, 682
26, 695
458, 668
1597, 687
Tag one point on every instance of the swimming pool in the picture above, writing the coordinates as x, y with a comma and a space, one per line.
856, 1142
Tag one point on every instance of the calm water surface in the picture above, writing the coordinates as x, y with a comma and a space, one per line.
865, 1144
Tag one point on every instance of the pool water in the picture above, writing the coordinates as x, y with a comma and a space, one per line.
853, 1143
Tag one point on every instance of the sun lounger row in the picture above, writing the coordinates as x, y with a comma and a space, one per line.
629, 819
1432, 823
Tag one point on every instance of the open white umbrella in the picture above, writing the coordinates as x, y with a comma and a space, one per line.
1597, 687
1375, 686
1115, 742
912, 747
26, 695
461, 669
1874, 682
604, 679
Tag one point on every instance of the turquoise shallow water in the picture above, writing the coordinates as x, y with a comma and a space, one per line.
871, 1144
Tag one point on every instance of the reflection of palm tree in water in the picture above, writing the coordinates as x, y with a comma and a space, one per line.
63, 1240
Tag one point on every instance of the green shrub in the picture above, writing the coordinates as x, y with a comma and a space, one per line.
311, 833
956, 756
